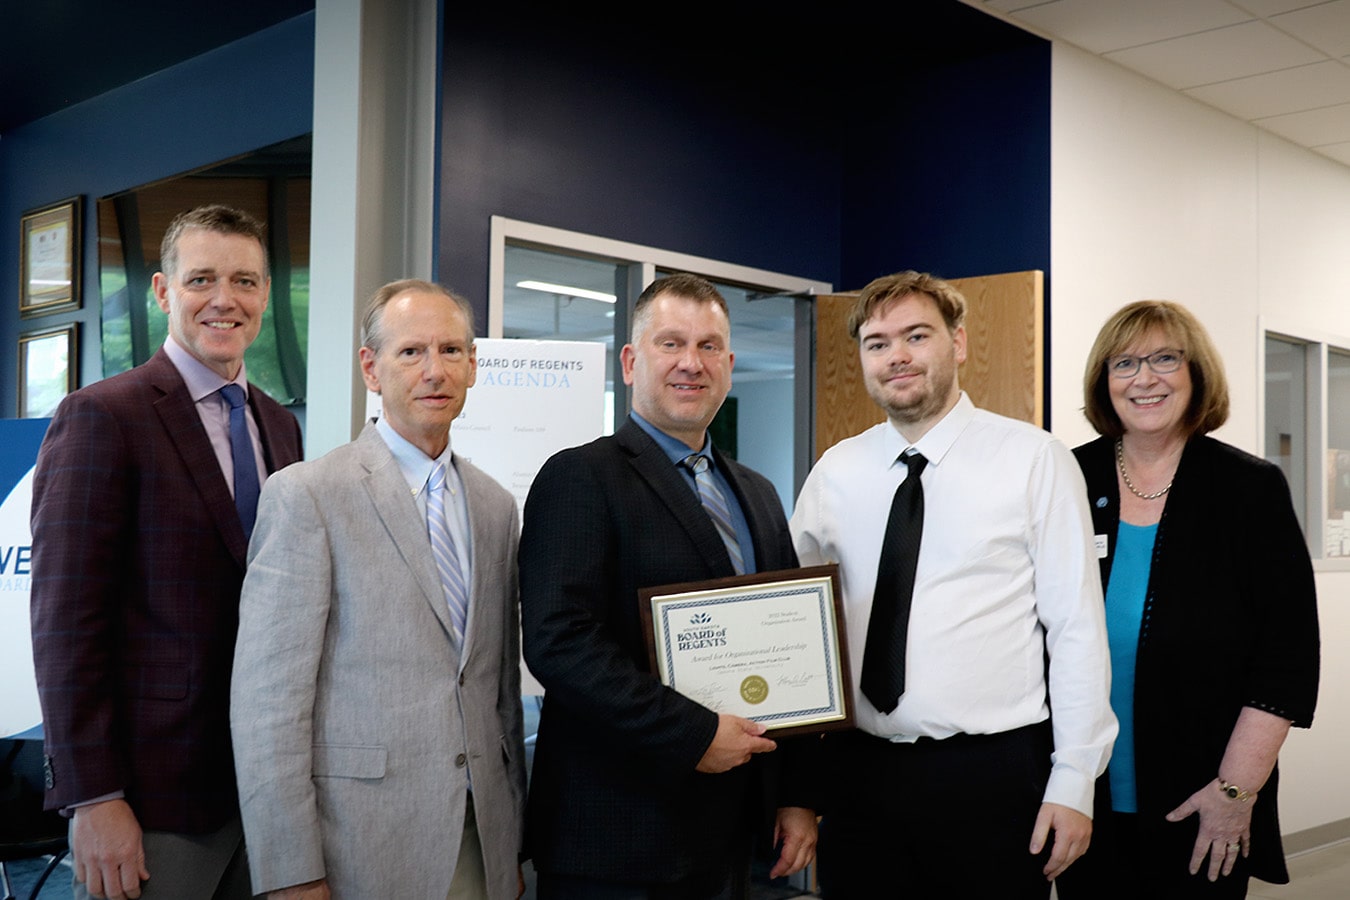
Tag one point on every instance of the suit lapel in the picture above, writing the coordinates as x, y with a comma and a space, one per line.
183, 425
480, 537
275, 430
655, 467
388, 492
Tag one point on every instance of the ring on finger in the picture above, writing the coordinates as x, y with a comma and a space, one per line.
1235, 846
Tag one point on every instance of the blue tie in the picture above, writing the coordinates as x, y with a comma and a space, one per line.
447, 558
245, 467
715, 504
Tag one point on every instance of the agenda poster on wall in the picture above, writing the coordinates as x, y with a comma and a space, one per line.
532, 399
19, 443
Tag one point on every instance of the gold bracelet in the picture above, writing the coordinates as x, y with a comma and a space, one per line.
1233, 792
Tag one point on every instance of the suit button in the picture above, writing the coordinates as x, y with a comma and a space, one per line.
461, 761
461, 679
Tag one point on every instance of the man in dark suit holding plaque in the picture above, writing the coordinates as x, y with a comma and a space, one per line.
639, 792
143, 500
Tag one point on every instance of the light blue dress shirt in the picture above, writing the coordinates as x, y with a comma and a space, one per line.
416, 467
677, 450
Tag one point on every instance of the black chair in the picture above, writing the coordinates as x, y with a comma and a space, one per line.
26, 830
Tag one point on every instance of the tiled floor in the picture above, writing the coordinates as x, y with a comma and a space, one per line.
1322, 874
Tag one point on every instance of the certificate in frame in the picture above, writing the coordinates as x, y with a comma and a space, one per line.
48, 369
49, 259
769, 647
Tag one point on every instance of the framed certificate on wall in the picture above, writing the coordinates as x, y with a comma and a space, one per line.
49, 259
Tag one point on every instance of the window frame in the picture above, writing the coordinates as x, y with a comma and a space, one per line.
1318, 346
644, 264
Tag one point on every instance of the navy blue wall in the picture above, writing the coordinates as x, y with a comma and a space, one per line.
929, 151
954, 175
245, 95
634, 136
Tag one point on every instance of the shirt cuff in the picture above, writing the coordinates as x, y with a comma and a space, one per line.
1068, 787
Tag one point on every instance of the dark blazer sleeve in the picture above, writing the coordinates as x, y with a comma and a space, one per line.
84, 526
581, 636
1282, 677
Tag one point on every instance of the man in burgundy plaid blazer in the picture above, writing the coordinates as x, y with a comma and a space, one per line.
138, 558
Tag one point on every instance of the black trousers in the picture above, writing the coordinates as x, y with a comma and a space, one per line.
730, 883
1119, 866
950, 818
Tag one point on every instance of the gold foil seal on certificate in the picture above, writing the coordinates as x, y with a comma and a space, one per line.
754, 689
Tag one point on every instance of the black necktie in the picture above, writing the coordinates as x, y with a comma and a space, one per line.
883, 671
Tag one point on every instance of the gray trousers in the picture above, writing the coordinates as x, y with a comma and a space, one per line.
210, 866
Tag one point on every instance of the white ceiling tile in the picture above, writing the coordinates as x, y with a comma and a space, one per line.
1274, 7
1013, 5
1326, 27
1288, 90
1282, 64
1221, 55
1338, 152
1314, 127
1105, 25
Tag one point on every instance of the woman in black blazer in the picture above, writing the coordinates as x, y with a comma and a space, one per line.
1212, 616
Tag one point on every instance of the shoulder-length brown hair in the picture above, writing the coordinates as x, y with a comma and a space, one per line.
1209, 385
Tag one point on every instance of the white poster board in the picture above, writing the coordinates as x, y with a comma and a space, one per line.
19, 710
532, 399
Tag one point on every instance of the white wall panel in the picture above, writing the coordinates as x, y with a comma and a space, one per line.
1153, 196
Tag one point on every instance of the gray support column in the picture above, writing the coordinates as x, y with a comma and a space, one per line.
375, 91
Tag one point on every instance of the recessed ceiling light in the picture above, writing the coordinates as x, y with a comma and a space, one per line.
567, 291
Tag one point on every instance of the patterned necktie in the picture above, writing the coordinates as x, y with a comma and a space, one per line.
716, 506
447, 558
883, 672
245, 466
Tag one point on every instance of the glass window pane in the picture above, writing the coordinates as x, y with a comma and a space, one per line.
1286, 416
551, 296
273, 185
756, 424
1338, 454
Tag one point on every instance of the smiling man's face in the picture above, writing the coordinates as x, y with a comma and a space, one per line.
679, 366
424, 367
909, 361
216, 297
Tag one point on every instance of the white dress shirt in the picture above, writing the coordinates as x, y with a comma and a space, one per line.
1006, 570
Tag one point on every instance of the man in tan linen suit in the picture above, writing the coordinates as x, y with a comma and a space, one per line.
378, 738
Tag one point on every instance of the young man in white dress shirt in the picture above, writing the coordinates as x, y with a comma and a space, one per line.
958, 782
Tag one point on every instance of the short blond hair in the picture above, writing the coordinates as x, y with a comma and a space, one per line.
884, 291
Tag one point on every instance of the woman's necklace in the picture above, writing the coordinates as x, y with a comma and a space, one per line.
1120, 464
